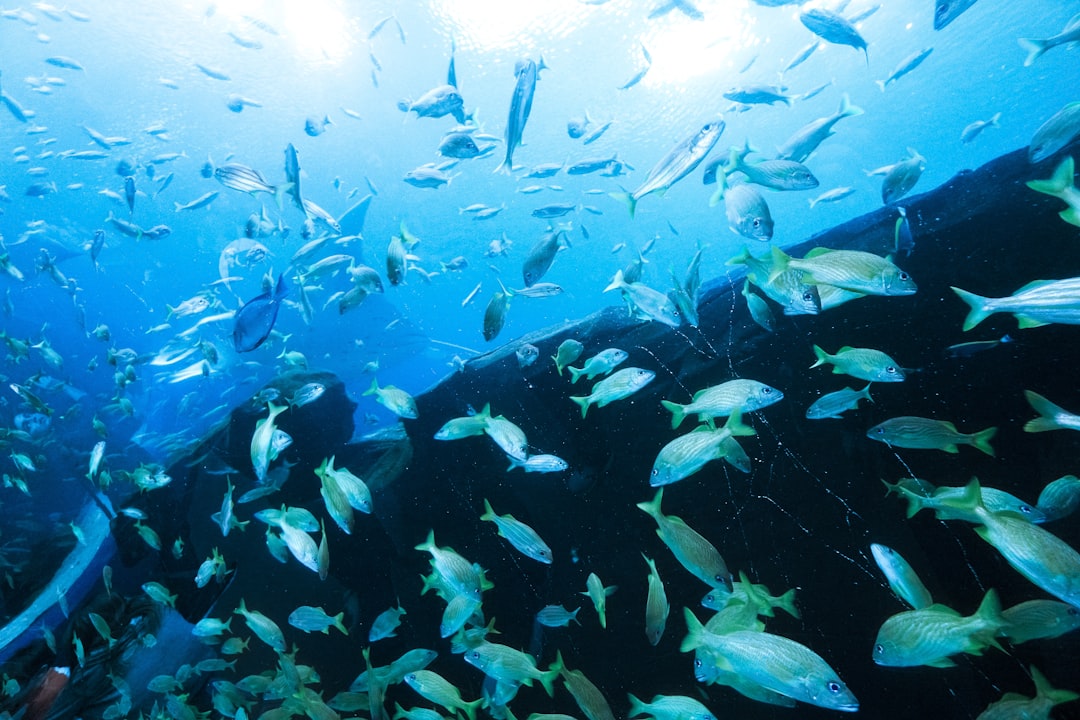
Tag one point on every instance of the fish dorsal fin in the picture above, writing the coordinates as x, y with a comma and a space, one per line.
846, 348
945, 609
817, 252
1033, 285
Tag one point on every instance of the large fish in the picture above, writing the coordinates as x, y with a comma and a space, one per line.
527, 73
677, 164
256, 318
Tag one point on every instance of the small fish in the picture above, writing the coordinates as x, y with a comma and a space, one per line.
65, 62
805, 141
264, 628
524, 539
834, 404
1060, 498
495, 314
906, 65
595, 591
964, 350
394, 399
833, 28
527, 355
600, 364
314, 619
556, 616
973, 130
861, 363
212, 72
199, 202
901, 577
315, 127
618, 386
928, 434
1054, 134
527, 73
903, 238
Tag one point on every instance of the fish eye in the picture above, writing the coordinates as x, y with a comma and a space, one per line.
834, 687
766, 390
1073, 611
890, 369
808, 296
1026, 509
476, 654
904, 276
879, 649
655, 472
757, 222
698, 663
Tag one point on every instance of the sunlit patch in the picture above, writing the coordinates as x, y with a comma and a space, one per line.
506, 24
316, 30
683, 49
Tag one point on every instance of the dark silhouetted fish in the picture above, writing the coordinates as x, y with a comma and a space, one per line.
256, 318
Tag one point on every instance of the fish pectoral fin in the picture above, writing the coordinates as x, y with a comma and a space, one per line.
1026, 321
942, 663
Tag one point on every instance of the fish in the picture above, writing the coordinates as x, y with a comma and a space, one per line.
67, 63
834, 28
495, 314
1013, 705
853, 270
862, 363
618, 386
757, 307
945, 11
556, 616
689, 453
437, 689
527, 354
577, 127
541, 256
789, 287
759, 95
555, 210
747, 212
1062, 186
974, 129
212, 72
595, 591
693, 551
597, 133
1041, 302
1060, 498
292, 177
314, 619
243, 178
775, 663
921, 494
264, 628
805, 141
928, 636
394, 399
686, 7
801, 57
600, 364
1051, 416
774, 174
314, 127
679, 162
1039, 619
587, 696
527, 73
669, 707
569, 351
1035, 47
524, 539
928, 434
1056, 133
256, 318
458, 145
904, 67
722, 400
199, 202
427, 177
901, 177
646, 303
903, 238
901, 577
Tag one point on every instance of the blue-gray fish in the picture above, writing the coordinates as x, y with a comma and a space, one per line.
436, 103
805, 140
1054, 134
928, 434
256, 318
904, 67
834, 28
1060, 498
526, 72
1041, 302
292, 176
677, 164
747, 212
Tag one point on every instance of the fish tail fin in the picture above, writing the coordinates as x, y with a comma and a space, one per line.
583, 402
721, 188
178, 206
780, 260
1035, 48
470, 708
575, 374
279, 195
847, 109
969, 500
1071, 216
627, 199
980, 307
865, 392
990, 611
735, 425
695, 632
652, 507
616, 282
428, 544
637, 707
1044, 689
548, 677
786, 602
993, 121
373, 389
489, 513
981, 440
742, 258
506, 165
677, 412
1058, 183
821, 355
403, 105
1048, 413
339, 624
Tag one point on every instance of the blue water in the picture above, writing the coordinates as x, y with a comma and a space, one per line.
139, 71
